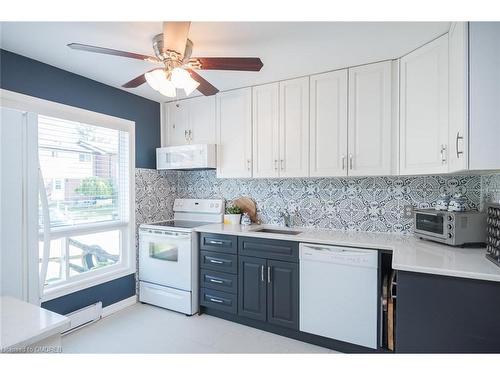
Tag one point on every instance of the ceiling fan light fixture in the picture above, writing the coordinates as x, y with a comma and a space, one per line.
155, 78
168, 89
181, 79
190, 86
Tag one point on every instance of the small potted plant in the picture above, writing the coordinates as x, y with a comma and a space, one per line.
233, 214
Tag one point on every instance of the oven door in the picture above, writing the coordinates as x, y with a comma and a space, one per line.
165, 258
430, 224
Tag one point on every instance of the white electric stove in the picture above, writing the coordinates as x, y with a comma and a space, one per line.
168, 255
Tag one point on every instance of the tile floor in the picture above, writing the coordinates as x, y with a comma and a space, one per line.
148, 329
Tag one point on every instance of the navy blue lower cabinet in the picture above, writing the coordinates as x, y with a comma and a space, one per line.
441, 314
283, 294
269, 291
252, 285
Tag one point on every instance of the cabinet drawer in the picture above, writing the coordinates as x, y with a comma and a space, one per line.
224, 282
218, 300
269, 249
218, 242
218, 261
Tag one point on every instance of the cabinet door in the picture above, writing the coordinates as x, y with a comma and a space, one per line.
372, 129
283, 294
424, 109
234, 133
294, 128
201, 120
265, 130
328, 124
484, 79
252, 287
458, 132
177, 123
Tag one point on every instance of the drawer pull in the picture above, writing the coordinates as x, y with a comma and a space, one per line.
216, 281
213, 242
216, 261
216, 300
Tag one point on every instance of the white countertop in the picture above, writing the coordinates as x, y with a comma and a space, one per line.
409, 253
23, 324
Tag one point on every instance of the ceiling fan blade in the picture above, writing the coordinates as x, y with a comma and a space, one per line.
205, 87
175, 35
137, 81
109, 51
252, 64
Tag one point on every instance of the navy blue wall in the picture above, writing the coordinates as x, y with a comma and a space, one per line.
31, 77
108, 293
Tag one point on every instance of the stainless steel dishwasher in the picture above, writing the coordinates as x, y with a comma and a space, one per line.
338, 293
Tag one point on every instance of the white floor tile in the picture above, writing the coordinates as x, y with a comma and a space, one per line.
148, 329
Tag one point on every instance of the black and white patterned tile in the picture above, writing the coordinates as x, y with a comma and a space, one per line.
490, 188
363, 204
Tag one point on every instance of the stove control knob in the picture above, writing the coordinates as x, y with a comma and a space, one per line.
450, 235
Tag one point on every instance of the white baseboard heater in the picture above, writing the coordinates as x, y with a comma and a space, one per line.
84, 316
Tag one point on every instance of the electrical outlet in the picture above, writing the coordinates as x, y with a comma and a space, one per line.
408, 211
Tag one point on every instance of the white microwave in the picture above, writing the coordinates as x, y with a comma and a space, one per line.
201, 156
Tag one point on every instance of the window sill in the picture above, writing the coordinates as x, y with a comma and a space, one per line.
63, 290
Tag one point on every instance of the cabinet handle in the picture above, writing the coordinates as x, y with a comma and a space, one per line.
213, 242
262, 273
343, 162
216, 281
186, 135
456, 145
190, 133
216, 261
350, 161
249, 164
216, 300
268, 275
443, 156
282, 164
275, 164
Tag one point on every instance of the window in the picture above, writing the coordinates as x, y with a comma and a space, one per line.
86, 173
84, 157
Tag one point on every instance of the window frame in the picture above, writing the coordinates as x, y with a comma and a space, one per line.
127, 264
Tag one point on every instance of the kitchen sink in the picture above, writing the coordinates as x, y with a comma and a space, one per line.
278, 231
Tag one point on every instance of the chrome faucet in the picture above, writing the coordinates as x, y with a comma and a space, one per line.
287, 218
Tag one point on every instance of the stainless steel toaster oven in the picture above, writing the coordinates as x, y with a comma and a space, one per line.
451, 228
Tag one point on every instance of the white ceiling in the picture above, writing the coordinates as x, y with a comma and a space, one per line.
287, 49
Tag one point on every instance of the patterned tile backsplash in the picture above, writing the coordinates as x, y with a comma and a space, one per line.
490, 188
365, 204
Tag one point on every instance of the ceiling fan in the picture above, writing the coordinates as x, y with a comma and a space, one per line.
173, 50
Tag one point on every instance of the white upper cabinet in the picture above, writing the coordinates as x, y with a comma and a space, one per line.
234, 133
201, 120
266, 155
458, 137
176, 123
294, 128
191, 121
328, 124
424, 109
484, 95
372, 119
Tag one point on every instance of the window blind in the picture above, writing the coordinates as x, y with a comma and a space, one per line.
85, 170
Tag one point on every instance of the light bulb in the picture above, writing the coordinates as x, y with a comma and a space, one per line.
155, 78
